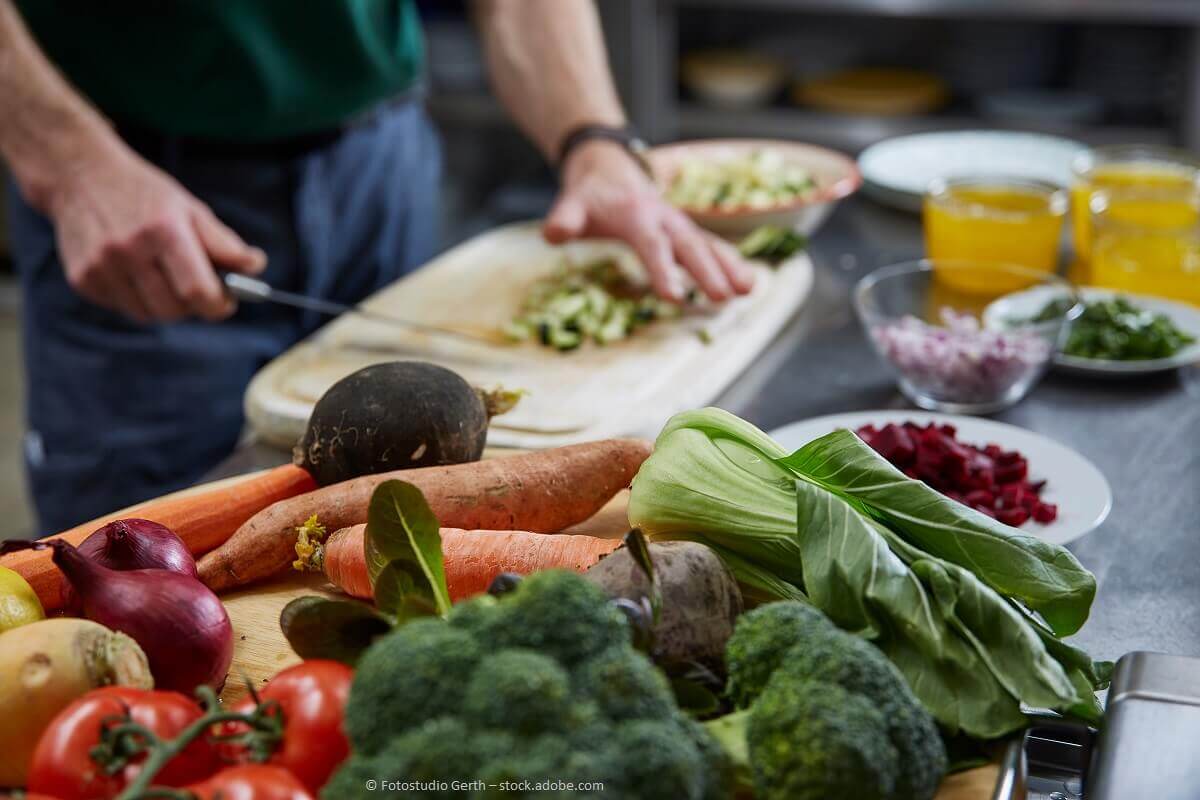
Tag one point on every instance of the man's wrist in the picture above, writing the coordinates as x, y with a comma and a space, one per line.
599, 154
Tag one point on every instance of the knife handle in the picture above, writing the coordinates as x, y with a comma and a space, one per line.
244, 288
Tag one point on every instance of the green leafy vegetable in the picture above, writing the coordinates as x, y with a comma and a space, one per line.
404, 553
948, 594
1117, 330
322, 627
1044, 576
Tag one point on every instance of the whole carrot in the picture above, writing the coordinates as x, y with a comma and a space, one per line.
471, 558
541, 492
202, 518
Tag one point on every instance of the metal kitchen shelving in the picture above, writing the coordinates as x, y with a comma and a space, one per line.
648, 31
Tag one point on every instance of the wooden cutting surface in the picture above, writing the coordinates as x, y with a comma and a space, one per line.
260, 649
594, 392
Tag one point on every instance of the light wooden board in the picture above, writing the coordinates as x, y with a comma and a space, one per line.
630, 387
260, 649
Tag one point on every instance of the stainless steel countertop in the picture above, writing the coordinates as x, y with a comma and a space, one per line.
1144, 434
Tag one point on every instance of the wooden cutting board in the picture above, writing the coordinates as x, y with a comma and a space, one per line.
260, 650
630, 387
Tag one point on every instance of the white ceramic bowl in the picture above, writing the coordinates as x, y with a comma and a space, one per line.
836, 176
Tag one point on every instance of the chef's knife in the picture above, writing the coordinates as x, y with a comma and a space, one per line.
256, 291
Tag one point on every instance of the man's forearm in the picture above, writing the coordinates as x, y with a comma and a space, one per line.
548, 65
45, 126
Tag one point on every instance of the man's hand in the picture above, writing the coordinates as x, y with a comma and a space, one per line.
605, 193
133, 240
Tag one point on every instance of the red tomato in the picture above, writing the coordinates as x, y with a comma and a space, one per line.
251, 782
63, 768
312, 696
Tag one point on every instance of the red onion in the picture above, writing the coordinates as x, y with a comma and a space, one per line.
179, 623
139, 544
133, 544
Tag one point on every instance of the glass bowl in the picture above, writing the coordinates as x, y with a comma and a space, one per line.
929, 321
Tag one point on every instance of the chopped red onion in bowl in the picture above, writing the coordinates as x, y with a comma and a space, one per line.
961, 361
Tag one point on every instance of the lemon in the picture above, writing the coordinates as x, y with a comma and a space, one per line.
19, 605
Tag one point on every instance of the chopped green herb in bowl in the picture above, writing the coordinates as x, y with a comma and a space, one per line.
1117, 330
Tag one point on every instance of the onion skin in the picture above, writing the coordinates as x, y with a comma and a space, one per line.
177, 620
138, 544
133, 543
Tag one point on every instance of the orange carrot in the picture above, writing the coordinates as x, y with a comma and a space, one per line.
542, 492
472, 558
203, 518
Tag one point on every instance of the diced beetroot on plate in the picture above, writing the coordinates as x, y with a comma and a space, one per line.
1045, 512
1013, 516
895, 444
1010, 473
1037, 486
980, 497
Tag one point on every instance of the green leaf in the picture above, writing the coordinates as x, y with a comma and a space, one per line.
694, 698
340, 630
1046, 577
852, 575
404, 552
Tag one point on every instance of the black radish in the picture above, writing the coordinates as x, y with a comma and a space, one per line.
398, 415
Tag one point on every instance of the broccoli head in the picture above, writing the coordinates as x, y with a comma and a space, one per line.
762, 640
534, 759
625, 685
474, 615
442, 749
813, 741
519, 690
559, 614
861, 668
657, 759
413, 674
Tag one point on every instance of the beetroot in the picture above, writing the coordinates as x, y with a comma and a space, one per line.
991, 480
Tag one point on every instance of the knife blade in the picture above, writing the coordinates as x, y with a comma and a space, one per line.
253, 290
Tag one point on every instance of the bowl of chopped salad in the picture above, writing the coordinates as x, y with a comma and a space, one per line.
948, 351
734, 186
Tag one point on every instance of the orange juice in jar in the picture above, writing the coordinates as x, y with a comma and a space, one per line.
1146, 168
1146, 241
994, 220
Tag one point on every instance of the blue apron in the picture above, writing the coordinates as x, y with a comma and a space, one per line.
120, 412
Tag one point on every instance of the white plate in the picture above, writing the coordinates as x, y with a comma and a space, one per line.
897, 171
1073, 483
1029, 302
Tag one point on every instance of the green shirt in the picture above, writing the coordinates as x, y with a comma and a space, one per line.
231, 69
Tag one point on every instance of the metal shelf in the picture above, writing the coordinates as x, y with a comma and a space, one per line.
855, 132
1185, 12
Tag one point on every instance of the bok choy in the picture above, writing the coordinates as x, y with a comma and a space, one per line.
970, 610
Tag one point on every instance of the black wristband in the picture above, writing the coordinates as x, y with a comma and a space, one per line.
625, 137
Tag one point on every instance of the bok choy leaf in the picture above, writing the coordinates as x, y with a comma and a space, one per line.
1046, 577
942, 592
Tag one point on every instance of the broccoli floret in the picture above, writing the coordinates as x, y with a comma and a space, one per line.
559, 614
625, 685
474, 615
761, 641
813, 741
861, 668
532, 759
519, 690
413, 674
443, 749
657, 759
